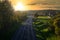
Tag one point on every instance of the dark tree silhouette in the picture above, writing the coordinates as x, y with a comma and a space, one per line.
6, 13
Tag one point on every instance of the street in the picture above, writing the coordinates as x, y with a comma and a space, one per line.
26, 31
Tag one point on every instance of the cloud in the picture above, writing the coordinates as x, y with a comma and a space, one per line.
45, 2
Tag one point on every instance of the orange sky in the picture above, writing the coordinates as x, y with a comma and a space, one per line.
39, 4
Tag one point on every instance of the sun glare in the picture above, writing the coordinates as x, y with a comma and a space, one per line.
19, 6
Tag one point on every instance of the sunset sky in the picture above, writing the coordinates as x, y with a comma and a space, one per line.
38, 4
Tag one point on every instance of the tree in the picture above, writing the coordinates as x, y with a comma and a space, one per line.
56, 23
36, 14
6, 13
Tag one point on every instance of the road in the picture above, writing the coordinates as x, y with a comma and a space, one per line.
26, 31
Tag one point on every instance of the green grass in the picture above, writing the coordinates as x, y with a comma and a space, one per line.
54, 38
41, 24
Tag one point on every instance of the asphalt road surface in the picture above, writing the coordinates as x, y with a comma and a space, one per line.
26, 31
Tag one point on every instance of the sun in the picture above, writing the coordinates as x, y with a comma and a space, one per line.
19, 6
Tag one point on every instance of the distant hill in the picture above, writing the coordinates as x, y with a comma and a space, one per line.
44, 12
41, 12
